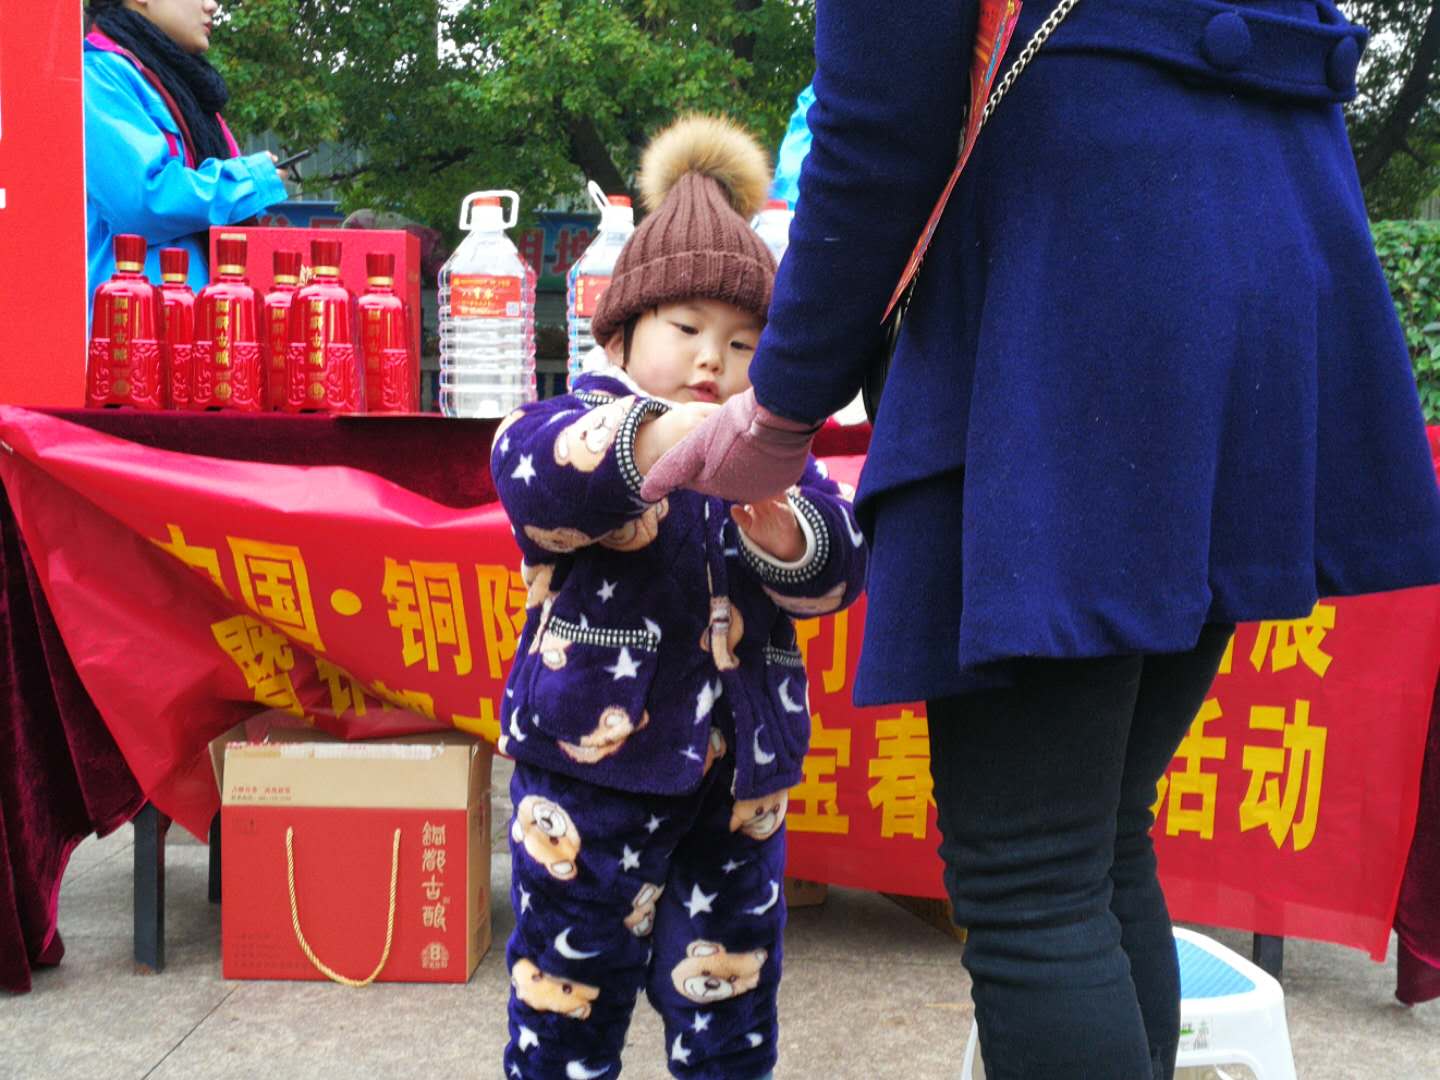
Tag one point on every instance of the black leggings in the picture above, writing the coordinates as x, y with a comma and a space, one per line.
1044, 792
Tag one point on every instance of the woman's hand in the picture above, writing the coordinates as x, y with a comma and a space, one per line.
771, 526
742, 453
284, 174
659, 435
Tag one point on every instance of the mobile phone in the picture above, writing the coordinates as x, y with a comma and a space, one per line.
285, 163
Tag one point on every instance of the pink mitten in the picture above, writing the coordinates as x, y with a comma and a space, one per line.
743, 453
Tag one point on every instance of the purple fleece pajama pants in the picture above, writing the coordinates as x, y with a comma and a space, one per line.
615, 892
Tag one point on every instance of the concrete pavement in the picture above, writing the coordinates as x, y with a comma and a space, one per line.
870, 991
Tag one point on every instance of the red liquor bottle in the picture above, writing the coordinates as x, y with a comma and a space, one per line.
124, 365
322, 362
228, 369
392, 375
177, 342
276, 319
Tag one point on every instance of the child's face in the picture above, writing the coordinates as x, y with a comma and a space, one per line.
696, 350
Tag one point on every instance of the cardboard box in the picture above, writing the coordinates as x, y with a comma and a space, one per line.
938, 913
355, 244
800, 893
277, 726
342, 804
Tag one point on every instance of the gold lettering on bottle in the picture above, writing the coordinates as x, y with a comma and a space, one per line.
317, 333
279, 318
222, 333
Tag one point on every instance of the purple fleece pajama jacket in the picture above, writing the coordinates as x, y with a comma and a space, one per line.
658, 715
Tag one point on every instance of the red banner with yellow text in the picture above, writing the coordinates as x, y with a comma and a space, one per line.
1288, 810
192, 592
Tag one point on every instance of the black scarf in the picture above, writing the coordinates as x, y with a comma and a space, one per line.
197, 88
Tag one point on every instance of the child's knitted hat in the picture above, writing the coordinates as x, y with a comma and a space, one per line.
702, 179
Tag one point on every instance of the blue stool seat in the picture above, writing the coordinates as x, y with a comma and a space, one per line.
1204, 975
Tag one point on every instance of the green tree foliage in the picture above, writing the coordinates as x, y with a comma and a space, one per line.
448, 97
1395, 119
279, 79
1410, 253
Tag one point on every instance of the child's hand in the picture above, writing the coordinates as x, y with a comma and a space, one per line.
772, 527
660, 434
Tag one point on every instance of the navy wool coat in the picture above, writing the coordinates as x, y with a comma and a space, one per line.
1152, 376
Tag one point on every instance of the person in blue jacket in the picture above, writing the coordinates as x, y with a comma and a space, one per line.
159, 160
794, 148
1151, 384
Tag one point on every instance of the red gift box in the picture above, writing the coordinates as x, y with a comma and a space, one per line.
356, 861
355, 244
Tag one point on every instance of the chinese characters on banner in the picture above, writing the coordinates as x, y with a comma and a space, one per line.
1278, 767
424, 605
1290, 805
1288, 809
864, 814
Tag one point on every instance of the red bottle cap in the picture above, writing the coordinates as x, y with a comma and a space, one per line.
777, 204
325, 257
620, 200
231, 251
287, 267
130, 253
380, 268
174, 265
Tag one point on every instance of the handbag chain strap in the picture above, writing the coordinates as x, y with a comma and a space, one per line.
1027, 54
904, 289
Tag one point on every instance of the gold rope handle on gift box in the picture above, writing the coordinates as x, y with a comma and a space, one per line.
320, 965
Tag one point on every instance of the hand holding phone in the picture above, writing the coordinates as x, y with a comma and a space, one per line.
285, 163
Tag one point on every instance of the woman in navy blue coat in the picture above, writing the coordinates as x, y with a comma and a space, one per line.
1151, 384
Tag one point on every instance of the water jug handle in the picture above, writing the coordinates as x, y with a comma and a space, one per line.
467, 208
598, 196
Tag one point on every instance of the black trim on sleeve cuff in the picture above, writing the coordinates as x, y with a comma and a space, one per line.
625, 440
774, 574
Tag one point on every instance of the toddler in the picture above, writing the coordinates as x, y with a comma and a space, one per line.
657, 709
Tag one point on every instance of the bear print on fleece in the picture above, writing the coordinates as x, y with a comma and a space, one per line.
548, 835
709, 973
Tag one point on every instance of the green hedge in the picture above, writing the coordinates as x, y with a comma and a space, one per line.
1410, 253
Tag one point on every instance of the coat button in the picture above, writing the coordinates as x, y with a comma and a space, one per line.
1226, 41
1340, 65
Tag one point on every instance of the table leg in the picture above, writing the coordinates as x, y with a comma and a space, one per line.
150, 829
214, 881
1268, 953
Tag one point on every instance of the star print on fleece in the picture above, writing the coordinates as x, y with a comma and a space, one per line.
619, 661
666, 897
624, 666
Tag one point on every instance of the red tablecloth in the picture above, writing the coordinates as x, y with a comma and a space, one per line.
61, 775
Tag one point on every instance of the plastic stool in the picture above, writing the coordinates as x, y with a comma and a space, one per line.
1231, 1013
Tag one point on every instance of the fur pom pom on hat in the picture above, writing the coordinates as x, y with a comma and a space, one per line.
712, 146
702, 179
